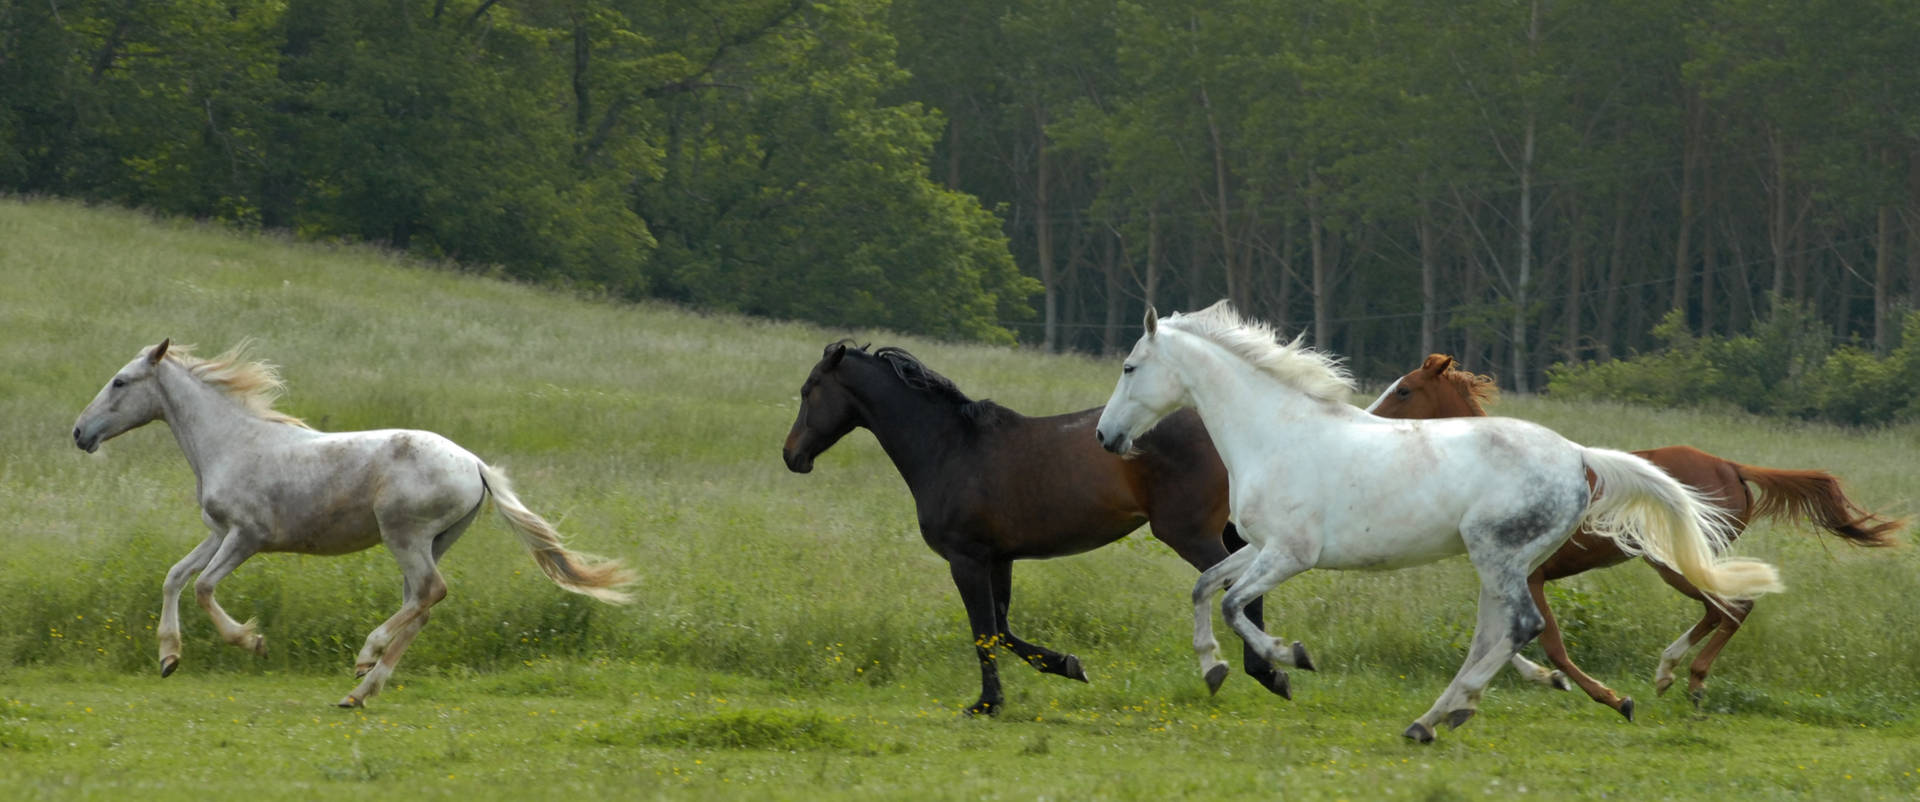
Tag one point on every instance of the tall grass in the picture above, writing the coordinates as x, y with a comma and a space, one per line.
650, 433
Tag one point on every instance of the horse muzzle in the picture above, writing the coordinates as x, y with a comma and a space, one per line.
798, 462
85, 443
1117, 443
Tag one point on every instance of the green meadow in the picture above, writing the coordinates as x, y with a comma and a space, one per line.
793, 637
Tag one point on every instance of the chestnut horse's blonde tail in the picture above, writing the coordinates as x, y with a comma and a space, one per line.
1816, 496
1645, 511
580, 573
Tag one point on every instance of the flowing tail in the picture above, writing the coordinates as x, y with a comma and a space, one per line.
1815, 496
1645, 511
580, 573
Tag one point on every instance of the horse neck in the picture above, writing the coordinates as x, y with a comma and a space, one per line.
207, 423
917, 429
1240, 404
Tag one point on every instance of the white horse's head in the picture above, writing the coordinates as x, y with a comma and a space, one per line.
130, 400
1148, 391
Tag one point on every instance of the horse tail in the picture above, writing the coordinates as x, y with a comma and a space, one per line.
1816, 496
580, 573
1645, 511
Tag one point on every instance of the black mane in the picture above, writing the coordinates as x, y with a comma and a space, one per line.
916, 375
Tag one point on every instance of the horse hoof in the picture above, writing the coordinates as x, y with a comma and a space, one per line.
1459, 717
1626, 708
352, 702
168, 665
1300, 658
1661, 685
360, 670
1698, 695
981, 708
259, 646
1216, 676
1419, 733
1279, 684
1559, 681
1070, 668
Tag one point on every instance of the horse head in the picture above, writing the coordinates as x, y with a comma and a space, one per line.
130, 399
827, 410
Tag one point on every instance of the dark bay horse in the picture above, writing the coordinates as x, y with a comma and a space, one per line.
1439, 389
992, 486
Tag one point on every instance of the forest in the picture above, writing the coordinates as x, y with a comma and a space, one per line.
1520, 182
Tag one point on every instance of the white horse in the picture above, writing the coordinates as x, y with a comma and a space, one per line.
1318, 483
268, 482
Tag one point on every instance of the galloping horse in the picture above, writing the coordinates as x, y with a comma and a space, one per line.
992, 486
1318, 483
267, 482
1438, 389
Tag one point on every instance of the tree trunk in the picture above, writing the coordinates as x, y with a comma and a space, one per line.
1152, 287
1883, 282
1576, 279
1777, 217
1523, 271
1220, 198
1429, 293
1682, 251
1043, 235
1322, 300
1110, 265
1616, 276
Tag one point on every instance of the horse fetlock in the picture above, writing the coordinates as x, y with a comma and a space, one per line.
1277, 682
361, 669
1558, 680
1661, 682
984, 707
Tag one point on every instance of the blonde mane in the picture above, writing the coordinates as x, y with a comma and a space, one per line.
256, 385
1316, 373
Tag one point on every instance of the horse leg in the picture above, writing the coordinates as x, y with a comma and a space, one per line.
381, 636
1040, 657
1210, 582
1721, 621
1730, 622
1256, 666
234, 549
974, 579
170, 600
1268, 569
1557, 652
424, 589
1507, 620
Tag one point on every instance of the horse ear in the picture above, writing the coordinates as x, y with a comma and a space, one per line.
833, 354
1152, 322
154, 356
1437, 364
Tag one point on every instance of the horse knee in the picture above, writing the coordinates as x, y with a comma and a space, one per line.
1527, 624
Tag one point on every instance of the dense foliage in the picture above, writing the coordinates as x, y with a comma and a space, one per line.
734, 156
1519, 182
1788, 365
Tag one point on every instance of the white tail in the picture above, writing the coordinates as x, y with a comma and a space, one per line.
580, 573
1645, 511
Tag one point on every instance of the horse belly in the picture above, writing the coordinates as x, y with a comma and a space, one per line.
326, 532
1384, 549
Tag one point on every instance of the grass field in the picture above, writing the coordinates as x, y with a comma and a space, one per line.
794, 638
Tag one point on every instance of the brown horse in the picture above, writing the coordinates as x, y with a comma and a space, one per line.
992, 486
1438, 389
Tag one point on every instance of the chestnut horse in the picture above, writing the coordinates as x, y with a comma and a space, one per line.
992, 486
1439, 389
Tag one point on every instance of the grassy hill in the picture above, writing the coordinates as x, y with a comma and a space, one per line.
806, 606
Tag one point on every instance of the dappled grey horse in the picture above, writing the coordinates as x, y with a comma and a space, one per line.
268, 482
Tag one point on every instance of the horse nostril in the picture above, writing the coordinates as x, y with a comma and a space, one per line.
76, 434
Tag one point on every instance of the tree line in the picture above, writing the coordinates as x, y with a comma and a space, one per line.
1519, 182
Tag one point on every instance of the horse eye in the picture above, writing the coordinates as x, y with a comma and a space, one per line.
119, 382
1403, 392
1126, 369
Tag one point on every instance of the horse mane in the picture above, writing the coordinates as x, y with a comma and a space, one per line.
1316, 373
916, 375
255, 384
1478, 388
